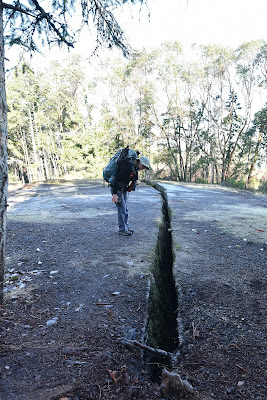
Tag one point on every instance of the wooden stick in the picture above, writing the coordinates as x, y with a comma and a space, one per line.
134, 343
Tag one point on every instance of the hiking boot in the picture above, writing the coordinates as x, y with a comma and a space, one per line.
125, 233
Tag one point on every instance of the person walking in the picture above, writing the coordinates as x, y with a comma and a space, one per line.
125, 182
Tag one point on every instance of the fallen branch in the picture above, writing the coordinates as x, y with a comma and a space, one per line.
100, 391
134, 343
242, 368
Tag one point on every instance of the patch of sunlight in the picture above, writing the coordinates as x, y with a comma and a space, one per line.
245, 222
57, 214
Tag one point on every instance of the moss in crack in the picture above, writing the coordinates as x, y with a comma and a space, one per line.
161, 327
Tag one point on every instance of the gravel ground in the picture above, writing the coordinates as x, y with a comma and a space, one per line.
220, 269
74, 288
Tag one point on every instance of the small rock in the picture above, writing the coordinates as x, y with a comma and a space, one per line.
51, 321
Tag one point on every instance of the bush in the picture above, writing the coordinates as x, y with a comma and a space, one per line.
263, 187
231, 182
201, 180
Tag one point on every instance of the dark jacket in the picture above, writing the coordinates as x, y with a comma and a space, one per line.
126, 175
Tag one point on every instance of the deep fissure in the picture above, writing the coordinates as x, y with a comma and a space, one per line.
161, 325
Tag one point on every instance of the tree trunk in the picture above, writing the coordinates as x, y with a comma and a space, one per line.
41, 168
254, 160
223, 166
34, 148
3, 155
26, 155
46, 166
231, 152
55, 172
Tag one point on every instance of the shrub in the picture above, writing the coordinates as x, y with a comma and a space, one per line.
231, 182
263, 186
201, 180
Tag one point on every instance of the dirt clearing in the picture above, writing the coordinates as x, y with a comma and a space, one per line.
74, 287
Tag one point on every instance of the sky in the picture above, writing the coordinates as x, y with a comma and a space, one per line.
224, 22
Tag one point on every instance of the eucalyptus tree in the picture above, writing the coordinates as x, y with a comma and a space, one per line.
140, 78
31, 23
255, 143
261, 65
49, 120
126, 93
195, 97
166, 108
179, 113
233, 81
24, 103
248, 79
225, 124
115, 103
251, 63
65, 134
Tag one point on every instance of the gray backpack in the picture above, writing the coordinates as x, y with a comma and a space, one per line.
116, 161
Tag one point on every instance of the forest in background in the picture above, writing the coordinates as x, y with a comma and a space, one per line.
203, 120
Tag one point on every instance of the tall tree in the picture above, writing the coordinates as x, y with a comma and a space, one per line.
28, 22
3, 156
256, 141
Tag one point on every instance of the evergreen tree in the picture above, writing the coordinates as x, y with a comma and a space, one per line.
26, 22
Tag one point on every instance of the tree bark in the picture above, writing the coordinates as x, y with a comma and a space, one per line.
46, 166
37, 161
252, 166
3, 155
232, 152
26, 155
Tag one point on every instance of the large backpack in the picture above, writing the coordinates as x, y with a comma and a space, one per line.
116, 161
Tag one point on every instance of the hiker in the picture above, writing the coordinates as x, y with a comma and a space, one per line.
124, 182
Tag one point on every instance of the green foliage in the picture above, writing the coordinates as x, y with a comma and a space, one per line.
191, 120
201, 180
30, 24
263, 186
237, 184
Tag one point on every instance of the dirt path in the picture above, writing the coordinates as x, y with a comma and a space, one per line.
74, 287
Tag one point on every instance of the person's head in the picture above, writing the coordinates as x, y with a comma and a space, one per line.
144, 163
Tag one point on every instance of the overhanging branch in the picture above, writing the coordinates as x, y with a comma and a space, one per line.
48, 18
38, 16
15, 8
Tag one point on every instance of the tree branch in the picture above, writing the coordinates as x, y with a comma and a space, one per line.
15, 8
39, 16
134, 343
45, 15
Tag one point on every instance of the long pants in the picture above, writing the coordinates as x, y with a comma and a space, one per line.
122, 208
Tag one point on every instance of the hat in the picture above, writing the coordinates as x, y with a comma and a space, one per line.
145, 162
